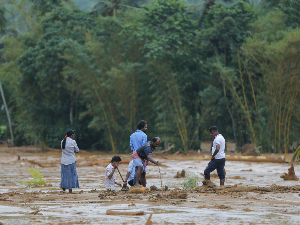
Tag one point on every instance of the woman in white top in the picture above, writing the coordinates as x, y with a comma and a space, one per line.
69, 178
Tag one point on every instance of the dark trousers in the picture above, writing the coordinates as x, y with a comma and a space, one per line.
218, 164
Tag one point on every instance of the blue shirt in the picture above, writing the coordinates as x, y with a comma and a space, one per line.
137, 139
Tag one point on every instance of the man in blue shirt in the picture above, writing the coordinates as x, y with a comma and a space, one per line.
139, 138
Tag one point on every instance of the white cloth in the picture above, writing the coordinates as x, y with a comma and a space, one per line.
131, 170
68, 154
109, 183
219, 140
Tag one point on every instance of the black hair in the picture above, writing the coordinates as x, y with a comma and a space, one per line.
213, 128
141, 124
68, 134
155, 139
116, 158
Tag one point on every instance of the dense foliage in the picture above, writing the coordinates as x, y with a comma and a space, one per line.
101, 66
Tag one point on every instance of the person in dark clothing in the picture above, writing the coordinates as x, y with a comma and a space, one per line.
141, 158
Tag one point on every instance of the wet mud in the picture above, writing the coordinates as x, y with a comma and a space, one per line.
253, 193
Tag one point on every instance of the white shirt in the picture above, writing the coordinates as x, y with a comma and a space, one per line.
219, 140
131, 170
68, 154
109, 183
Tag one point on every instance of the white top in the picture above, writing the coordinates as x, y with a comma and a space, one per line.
68, 154
131, 170
219, 140
109, 183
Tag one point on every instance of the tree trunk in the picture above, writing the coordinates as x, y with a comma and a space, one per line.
7, 114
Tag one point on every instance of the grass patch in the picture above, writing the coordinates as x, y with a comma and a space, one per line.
190, 183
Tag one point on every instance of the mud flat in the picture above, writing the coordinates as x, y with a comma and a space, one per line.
254, 193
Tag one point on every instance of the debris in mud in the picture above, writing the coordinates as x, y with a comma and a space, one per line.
131, 204
180, 174
106, 194
149, 222
247, 210
155, 198
208, 183
290, 175
36, 212
154, 188
250, 170
124, 213
177, 194
237, 177
137, 190
241, 188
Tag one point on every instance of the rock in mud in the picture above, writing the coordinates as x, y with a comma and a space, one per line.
290, 175
208, 183
125, 213
177, 194
180, 174
106, 194
138, 190
154, 188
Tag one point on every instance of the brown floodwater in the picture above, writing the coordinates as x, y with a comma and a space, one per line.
254, 192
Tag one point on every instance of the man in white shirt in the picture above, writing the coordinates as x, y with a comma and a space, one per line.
110, 173
218, 156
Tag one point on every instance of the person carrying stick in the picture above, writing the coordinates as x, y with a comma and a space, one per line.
110, 173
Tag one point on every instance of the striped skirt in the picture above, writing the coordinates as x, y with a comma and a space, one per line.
69, 178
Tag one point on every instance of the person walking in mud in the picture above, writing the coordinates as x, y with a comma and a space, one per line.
141, 158
69, 177
218, 156
137, 139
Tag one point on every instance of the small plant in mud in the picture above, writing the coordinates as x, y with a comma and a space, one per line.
190, 183
37, 178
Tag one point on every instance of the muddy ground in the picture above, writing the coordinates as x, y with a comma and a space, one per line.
254, 192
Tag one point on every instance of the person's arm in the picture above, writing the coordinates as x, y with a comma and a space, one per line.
144, 139
152, 160
216, 151
131, 144
76, 149
112, 173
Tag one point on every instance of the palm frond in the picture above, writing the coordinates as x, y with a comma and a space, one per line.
296, 155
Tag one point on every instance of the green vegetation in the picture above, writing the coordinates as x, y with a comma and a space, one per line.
37, 178
101, 66
191, 182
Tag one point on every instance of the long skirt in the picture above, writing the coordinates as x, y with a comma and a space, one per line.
69, 177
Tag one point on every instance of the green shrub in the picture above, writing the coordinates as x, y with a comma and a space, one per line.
37, 178
190, 183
